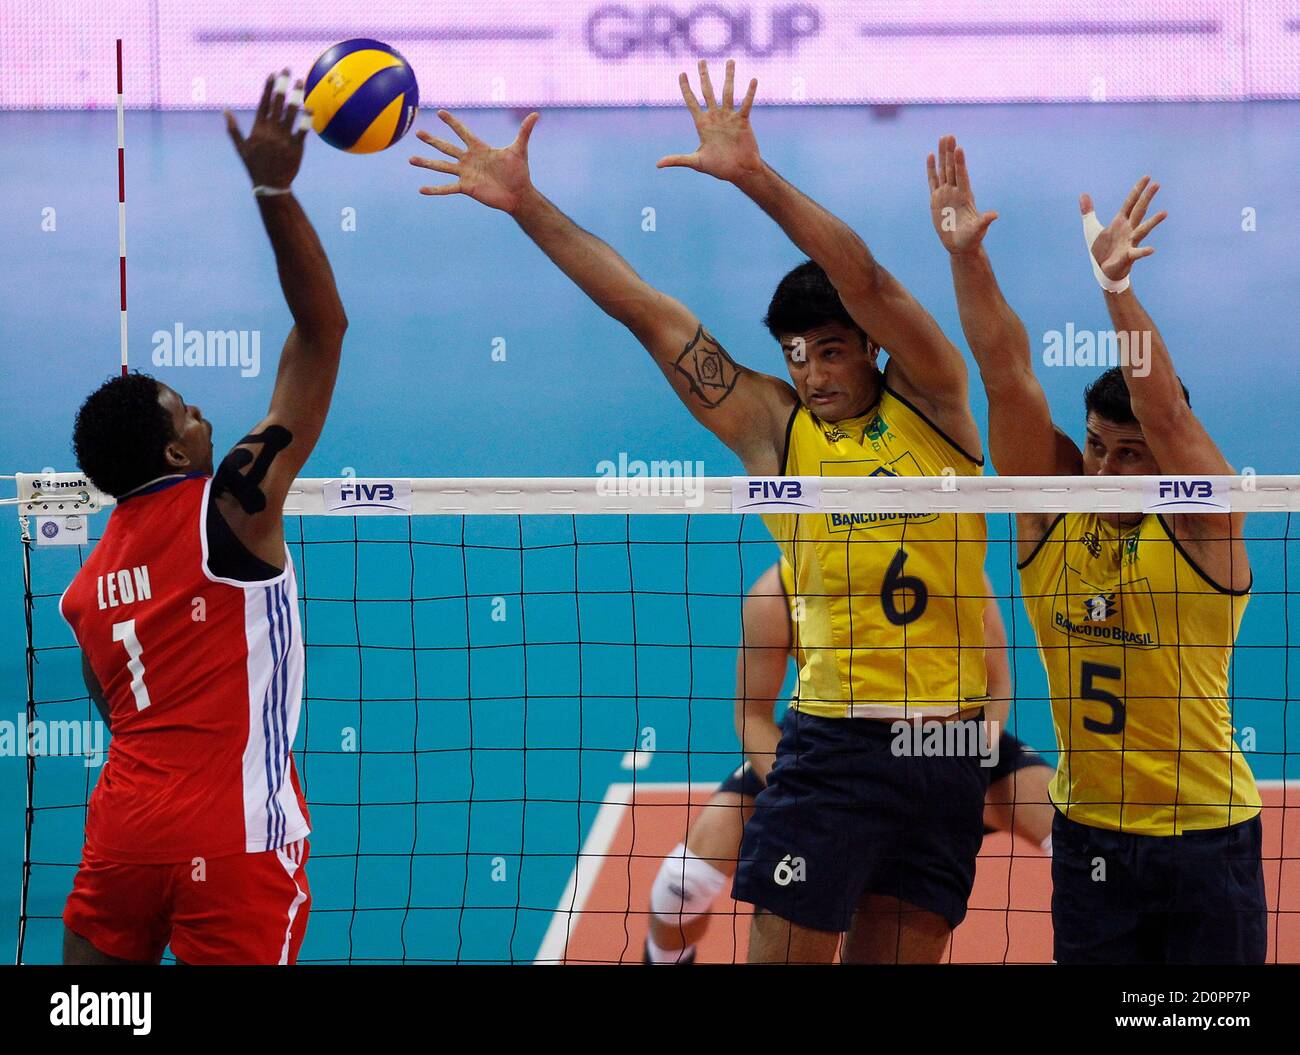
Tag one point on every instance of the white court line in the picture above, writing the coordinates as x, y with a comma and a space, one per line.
592, 857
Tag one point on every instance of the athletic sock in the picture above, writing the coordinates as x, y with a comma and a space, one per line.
654, 954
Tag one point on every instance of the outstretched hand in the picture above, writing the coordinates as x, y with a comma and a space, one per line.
1120, 243
959, 224
728, 150
272, 151
496, 176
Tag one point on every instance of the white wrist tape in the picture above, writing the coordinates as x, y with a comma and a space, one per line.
1091, 229
271, 192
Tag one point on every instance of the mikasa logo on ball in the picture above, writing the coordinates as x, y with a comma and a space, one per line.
362, 95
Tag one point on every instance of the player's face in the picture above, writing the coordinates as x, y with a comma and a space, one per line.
1116, 450
833, 368
191, 451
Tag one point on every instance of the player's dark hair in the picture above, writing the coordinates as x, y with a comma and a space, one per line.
804, 300
121, 432
1108, 398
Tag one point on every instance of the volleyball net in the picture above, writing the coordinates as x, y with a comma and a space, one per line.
520, 694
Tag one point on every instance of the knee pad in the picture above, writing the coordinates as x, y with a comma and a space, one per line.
685, 887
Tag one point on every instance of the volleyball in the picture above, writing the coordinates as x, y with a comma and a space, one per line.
362, 96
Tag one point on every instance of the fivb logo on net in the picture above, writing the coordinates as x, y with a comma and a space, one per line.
635, 477
232, 349
1098, 348
1185, 495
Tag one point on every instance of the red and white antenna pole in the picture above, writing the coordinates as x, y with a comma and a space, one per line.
121, 199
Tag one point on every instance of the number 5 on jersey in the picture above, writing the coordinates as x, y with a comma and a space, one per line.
125, 632
1090, 691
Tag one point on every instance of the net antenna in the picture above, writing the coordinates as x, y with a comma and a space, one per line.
121, 201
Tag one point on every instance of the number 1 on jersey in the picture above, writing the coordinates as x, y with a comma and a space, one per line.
125, 632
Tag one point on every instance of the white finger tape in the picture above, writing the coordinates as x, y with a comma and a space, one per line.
1091, 229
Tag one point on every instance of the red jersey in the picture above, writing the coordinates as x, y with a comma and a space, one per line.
203, 678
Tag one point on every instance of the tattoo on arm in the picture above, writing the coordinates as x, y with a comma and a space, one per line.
711, 372
247, 487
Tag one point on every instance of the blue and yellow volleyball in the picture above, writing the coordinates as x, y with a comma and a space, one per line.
362, 96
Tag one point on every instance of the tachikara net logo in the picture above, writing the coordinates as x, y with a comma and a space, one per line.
775, 494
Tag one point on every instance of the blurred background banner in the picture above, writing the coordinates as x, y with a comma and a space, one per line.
214, 53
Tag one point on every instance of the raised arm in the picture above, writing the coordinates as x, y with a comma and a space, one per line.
1022, 440
1176, 437
253, 480
745, 409
923, 364
1178, 441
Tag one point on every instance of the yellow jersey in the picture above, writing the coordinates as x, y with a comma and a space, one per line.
787, 577
787, 588
887, 608
1137, 643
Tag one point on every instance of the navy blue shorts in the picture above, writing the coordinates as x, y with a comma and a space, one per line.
843, 816
1191, 898
744, 781
1013, 755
